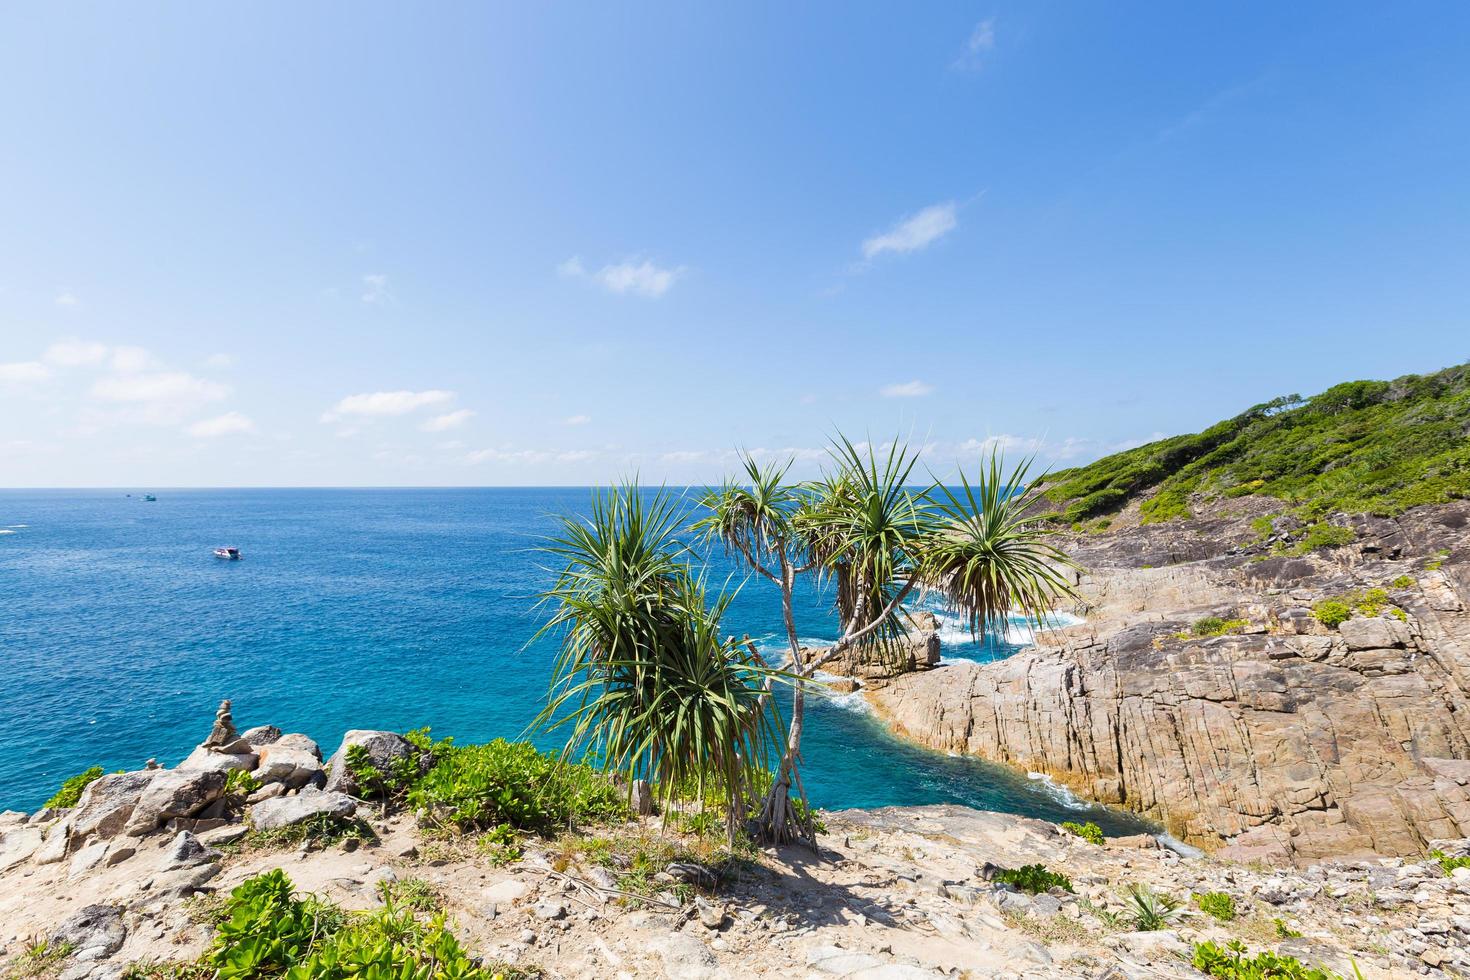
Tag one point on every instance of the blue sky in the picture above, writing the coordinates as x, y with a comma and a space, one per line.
384, 244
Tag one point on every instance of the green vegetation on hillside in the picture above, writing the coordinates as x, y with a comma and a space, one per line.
1374, 447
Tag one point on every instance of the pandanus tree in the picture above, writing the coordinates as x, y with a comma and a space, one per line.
881, 541
644, 680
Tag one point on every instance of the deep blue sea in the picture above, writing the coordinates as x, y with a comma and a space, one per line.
120, 633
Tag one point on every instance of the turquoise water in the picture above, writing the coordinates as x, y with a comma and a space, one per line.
120, 633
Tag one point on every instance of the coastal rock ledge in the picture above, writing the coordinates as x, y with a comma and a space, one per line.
1286, 737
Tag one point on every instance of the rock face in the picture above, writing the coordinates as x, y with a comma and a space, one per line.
174, 793
918, 649
383, 749
1289, 740
284, 811
94, 933
107, 803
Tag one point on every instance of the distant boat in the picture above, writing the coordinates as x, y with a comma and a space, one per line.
149, 496
233, 554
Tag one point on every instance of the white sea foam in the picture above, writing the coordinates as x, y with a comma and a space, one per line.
1178, 846
17, 525
854, 702
1061, 794
6, 531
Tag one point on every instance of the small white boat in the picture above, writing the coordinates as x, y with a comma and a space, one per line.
232, 554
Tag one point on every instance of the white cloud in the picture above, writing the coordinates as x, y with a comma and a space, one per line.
375, 289
530, 456
161, 388
451, 420
381, 403
914, 232
221, 425
129, 360
67, 299
640, 277
24, 372
981, 43
75, 353
576, 420
908, 389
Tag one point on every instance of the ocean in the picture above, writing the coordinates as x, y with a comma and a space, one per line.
120, 633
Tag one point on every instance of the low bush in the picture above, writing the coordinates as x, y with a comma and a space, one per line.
1033, 879
1232, 963
1217, 905
1449, 864
1215, 626
1088, 831
1403, 582
71, 790
474, 787
1331, 613
267, 930
322, 828
1149, 909
1323, 535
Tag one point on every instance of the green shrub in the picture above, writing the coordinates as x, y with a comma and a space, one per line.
478, 786
1449, 864
1033, 879
1233, 963
501, 844
71, 790
1403, 582
1088, 831
267, 931
1324, 535
1284, 931
1218, 905
1331, 613
322, 828
1150, 909
1215, 626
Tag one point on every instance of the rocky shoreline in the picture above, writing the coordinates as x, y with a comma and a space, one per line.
1285, 736
124, 883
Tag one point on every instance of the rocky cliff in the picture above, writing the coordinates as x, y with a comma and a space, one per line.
1290, 735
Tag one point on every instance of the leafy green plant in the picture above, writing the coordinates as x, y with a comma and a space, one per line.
1217, 905
1233, 963
269, 931
1404, 582
1149, 909
1088, 831
1284, 931
501, 844
1332, 613
413, 893
71, 790
511, 783
1215, 626
1449, 864
1033, 879
1323, 535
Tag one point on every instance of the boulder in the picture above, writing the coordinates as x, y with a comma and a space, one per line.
19, 843
261, 735
1373, 634
284, 811
204, 759
185, 851
295, 740
58, 840
383, 750
94, 933
174, 793
87, 858
293, 767
107, 803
